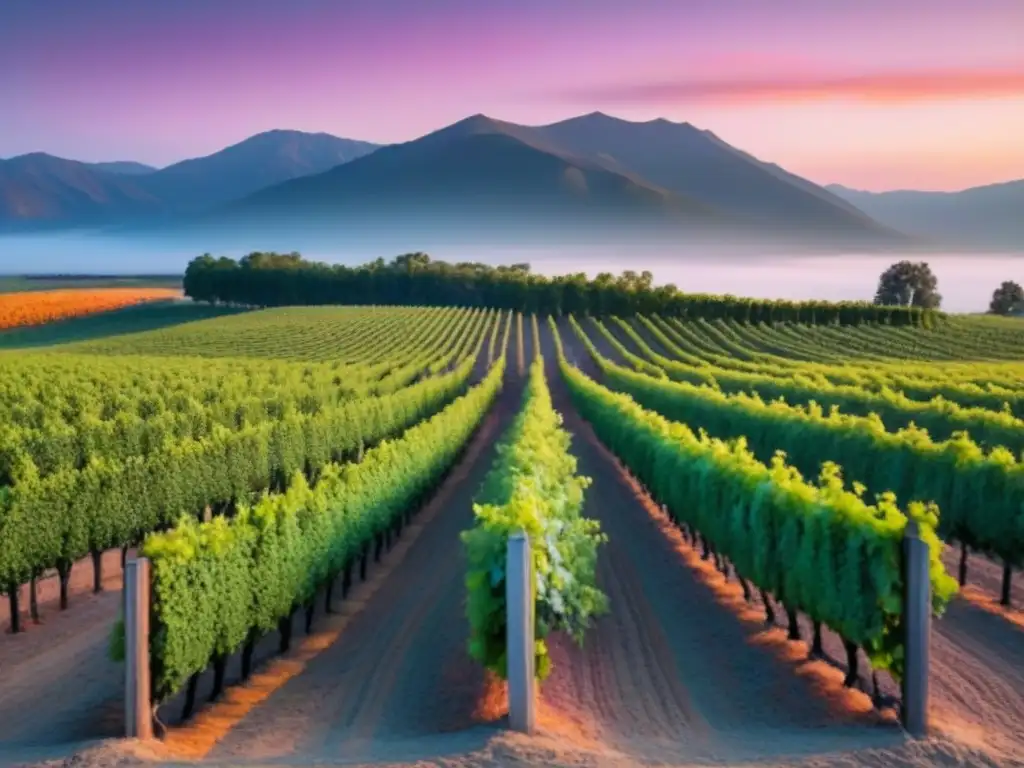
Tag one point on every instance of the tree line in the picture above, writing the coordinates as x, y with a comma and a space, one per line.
272, 279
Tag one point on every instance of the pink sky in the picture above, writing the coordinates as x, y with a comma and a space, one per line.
875, 94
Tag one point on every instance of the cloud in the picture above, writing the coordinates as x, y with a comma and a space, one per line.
885, 87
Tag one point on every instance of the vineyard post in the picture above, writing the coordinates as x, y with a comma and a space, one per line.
520, 633
917, 625
137, 709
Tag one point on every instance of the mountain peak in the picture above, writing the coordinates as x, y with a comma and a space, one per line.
602, 120
475, 125
289, 133
41, 160
478, 123
277, 136
596, 117
40, 156
259, 161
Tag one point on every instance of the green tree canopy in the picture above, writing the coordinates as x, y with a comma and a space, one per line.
1007, 298
272, 280
908, 284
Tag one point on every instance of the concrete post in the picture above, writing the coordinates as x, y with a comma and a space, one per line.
917, 608
138, 715
520, 633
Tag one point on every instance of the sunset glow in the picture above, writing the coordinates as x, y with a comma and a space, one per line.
877, 95
892, 87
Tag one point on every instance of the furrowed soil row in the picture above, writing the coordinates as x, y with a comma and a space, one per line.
398, 683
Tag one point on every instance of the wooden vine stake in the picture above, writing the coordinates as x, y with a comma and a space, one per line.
917, 607
520, 634
138, 713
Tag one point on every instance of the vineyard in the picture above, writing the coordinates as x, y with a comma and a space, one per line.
717, 506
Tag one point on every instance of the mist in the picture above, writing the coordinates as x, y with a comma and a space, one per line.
966, 281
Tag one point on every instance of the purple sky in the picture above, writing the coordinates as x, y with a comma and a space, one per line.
877, 94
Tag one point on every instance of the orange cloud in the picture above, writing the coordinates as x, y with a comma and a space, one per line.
889, 87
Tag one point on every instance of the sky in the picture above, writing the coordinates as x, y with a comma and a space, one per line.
874, 94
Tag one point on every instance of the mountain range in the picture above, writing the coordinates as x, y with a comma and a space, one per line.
991, 216
595, 172
46, 191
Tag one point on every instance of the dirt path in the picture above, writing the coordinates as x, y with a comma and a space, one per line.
644, 333
624, 339
977, 676
985, 581
671, 672
48, 594
576, 353
978, 659
398, 683
58, 688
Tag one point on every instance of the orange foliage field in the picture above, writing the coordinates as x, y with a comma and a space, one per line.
38, 307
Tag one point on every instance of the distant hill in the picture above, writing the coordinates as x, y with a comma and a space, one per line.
477, 163
260, 161
696, 163
593, 171
991, 216
124, 167
47, 191
43, 190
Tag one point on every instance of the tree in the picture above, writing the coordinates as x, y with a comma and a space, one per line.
909, 285
267, 279
1007, 298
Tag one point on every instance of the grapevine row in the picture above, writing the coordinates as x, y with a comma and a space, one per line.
788, 348
818, 548
914, 381
980, 494
533, 487
308, 334
219, 586
51, 522
43, 388
941, 418
61, 445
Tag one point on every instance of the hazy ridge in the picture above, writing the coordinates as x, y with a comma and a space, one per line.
589, 178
